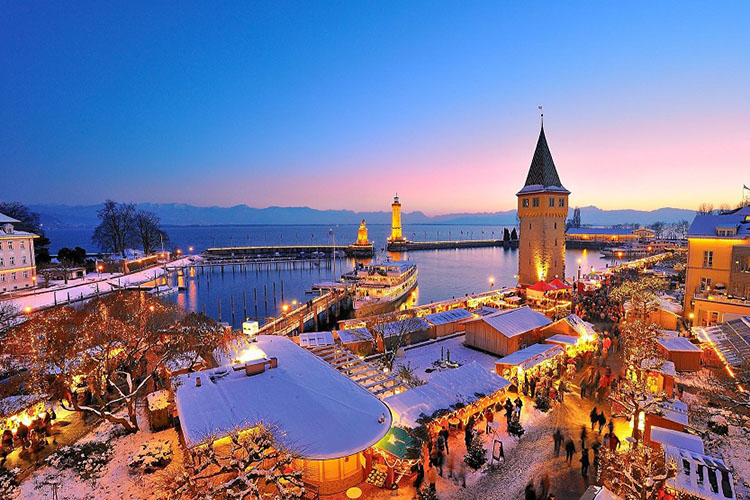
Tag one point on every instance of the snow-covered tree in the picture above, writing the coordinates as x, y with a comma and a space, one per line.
253, 466
110, 350
639, 341
633, 397
636, 474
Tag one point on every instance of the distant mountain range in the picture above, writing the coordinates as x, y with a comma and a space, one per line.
177, 214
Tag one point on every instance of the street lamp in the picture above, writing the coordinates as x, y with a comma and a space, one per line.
27, 309
284, 308
33, 283
492, 282
190, 249
99, 269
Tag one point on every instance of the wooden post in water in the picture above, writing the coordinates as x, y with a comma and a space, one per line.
255, 295
231, 303
282, 290
218, 300
265, 298
274, 295
204, 309
244, 304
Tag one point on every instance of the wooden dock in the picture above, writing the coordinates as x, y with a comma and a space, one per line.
218, 254
308, 315
406, 246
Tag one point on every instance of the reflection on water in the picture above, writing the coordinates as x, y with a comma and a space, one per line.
258, 292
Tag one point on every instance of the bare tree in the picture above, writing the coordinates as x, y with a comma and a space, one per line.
639, 473
148, 231
641, 293
394, 335
113, 348
705, 209
116, 229
254, 466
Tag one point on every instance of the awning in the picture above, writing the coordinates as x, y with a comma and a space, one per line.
397, 442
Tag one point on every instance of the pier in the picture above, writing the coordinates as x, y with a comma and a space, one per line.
405, 245
308, 316
287, 252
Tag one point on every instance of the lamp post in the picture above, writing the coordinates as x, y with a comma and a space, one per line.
33, 283
492, 282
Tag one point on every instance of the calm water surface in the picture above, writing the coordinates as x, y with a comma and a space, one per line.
443, 274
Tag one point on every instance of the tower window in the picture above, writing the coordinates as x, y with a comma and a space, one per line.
525, 203
555, 225
561, 202
535, 202
551, 202
529, 225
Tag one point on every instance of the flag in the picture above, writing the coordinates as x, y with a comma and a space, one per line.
745, 187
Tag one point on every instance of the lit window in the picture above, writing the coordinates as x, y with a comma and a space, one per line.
708, 259
12, 260
10, 245
705, 284
525, 203
535, 202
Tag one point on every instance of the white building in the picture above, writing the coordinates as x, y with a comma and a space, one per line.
17, 265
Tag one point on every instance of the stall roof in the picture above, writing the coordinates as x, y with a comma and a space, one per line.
731, 338
486, 310
512, 322
689, 481
598, 493
583, 328
449, 316
355, 335
531, 356
562, 339
402, 326
541, 286
315, 339
675, 410
683, 440
460, 385
659, 365
320, 412
604, 231
397, 442
678, 344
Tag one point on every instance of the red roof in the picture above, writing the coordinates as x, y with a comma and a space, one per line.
541, 286
559, 284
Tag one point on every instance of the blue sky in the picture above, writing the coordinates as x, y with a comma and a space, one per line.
338, 105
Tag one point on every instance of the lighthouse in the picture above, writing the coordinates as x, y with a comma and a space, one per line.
396, 234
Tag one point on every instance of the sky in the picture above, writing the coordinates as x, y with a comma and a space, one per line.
338, 105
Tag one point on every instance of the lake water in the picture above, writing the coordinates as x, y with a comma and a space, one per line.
443, 274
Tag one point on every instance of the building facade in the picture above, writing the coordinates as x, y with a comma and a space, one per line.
542, 211
396, 234
717, 283
17, 265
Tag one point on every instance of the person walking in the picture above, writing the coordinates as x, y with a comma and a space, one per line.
557, 437
533, 387
593, 417
584, 463
431, 477
508, 410
469, 432
601, 419
584, 387
583, 436
544, 487
445, 435
419, 479
439, 459
529, 493
561, 391
461, 473
570, 448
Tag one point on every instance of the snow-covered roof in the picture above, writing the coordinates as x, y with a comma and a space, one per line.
659, 365
669, 305
355, 335
315, 339
320, 412
531, 356
584, 328
449, 316
699, 475
675, 410
4, 219
485, 310
731, 338
402, 326
669, 437
562, 339
512, 322
678, 344
598, 493
706, 225
460, 385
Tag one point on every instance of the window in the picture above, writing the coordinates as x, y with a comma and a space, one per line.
23, 259
705, 284
555, 225
535, 202
525, 203
529, 225
13, 276
2, 263
10, 245
551, 202
1, 245
25, 274
561, 202
2, 278
555, 242
12, 260
23, 244
708, 258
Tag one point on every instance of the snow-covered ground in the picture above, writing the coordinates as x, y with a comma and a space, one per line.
116, 480
427, 357
90, 286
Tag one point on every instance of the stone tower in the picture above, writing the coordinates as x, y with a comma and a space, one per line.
542, 210
362, 234
396, 220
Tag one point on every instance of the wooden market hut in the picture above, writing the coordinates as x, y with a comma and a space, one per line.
448, 322
673, 416
416, 330
659, 375
527, 359
358, 340
685, 355
661, 437
507, 331
326, 417
699, 476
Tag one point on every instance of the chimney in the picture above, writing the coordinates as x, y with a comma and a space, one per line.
255, 368
197, 381
273, 363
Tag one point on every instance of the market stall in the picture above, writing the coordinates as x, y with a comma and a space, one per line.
532, 360
358, 340
685, 355
448, 322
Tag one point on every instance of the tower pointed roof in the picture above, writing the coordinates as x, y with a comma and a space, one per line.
542, 176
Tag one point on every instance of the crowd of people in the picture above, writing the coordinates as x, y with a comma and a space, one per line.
31, 437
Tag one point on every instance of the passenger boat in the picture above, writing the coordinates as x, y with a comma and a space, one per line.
381, 287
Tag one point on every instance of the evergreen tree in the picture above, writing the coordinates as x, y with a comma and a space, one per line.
476, 455
514, 234
426, 493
